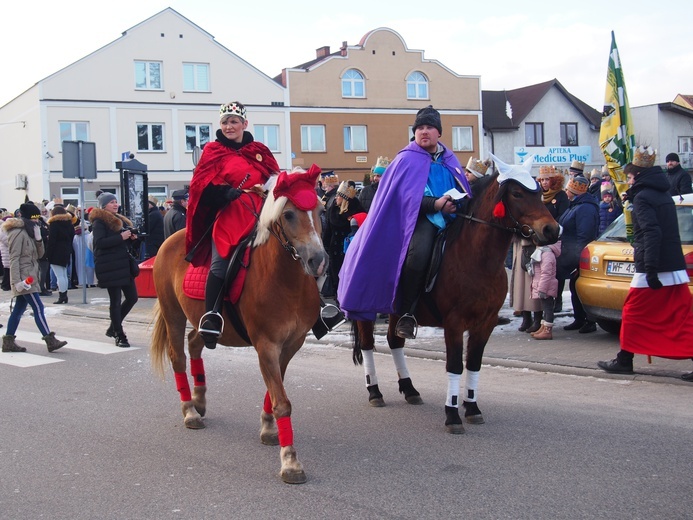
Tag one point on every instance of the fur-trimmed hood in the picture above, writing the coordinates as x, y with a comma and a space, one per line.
114, 221
13, 223
57, 218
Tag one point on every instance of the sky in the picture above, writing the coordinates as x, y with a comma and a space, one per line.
507, 44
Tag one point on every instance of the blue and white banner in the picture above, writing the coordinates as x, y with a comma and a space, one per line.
553, 154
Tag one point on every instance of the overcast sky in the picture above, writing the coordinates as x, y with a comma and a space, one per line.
508, 44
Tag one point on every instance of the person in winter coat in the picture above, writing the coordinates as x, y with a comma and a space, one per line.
5, 253
657, 319
679, 179
174, 220
113, 237
26, 246
368, 192
60, 235
580, 226
545, 285
156, 229
609, 209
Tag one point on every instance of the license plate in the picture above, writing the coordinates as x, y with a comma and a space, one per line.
620, 268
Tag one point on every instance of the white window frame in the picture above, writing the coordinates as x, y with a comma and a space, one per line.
198, 136
352, 79
268, 135
685, 144
150, 147
75, 131
310, 142
419, 83
355, 138
460, 141
160, 192
199, 74
70, 195
148, 78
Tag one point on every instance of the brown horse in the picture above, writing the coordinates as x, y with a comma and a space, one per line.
278, 306
469, 291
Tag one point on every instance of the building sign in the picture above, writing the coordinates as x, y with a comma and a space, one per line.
553, 154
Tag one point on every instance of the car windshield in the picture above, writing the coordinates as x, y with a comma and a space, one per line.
616, 232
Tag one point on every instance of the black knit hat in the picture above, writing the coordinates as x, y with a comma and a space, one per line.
673, 157
29, 210
428, 116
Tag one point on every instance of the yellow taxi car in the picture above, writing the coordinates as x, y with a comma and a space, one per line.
606, 267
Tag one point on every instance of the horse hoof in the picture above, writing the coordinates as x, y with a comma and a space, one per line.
414, 399
194, 423
293, 476
377, 402
269, 438
455, 429
475, 419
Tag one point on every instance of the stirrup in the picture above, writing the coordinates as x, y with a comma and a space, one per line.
333, 321
204, 327
407, 327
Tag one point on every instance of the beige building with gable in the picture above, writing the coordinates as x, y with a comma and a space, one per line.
154, 92
350, 106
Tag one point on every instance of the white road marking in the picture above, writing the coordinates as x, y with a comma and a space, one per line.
85, 345
25, 359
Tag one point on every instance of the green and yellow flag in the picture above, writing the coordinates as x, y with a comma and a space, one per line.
616, 137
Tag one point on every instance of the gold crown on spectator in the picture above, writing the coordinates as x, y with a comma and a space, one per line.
478, 166
644, 157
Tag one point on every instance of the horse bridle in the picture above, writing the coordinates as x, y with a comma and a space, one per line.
286, 243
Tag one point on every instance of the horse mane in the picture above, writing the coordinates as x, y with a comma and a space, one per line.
270, 213
480, 206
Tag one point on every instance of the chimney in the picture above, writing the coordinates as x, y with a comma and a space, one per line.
343, 48
323, 51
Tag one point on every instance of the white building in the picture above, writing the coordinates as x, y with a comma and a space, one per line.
667, 127
154, 92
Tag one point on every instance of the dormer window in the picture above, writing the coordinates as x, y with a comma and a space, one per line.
353, 84
417, 86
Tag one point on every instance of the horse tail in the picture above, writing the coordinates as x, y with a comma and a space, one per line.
160, 341
357, 355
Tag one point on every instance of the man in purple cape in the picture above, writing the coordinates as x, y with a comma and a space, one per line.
411, 205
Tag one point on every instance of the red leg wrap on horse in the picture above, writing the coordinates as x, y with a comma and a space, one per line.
183, 386
286, 431
267, 406
197, 369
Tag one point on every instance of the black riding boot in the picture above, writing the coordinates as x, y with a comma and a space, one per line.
211, 322
536, 324
411, 283
526, 321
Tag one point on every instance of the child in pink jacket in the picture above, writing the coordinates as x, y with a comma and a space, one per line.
545, 285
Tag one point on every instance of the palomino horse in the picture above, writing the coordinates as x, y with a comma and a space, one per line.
278, 306
469, 291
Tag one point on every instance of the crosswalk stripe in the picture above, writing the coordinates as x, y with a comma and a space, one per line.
25, 360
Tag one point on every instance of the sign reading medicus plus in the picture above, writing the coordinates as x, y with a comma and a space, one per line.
553, 154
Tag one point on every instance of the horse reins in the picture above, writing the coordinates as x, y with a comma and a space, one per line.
518, 229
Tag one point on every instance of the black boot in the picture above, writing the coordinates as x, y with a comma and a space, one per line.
526, 321
330, 318
62, 297
536, 324
211, 323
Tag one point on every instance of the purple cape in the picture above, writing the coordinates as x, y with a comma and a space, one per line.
370, 273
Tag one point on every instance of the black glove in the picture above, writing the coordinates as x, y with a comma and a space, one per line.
232, 194
653, 280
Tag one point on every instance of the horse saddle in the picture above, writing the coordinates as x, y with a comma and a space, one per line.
196, 277
436, 259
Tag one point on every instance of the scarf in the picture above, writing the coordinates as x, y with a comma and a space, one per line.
548, 196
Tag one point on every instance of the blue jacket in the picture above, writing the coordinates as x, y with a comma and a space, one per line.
580, 226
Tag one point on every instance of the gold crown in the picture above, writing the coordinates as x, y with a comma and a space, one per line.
577, 165
380, 165
644, 157
546, 172
480, 167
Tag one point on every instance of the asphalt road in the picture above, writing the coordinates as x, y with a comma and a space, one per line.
94, 434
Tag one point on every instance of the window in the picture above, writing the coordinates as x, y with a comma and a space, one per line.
685, 144
196, 77
569, 134
150, 137
196, 135
313, 138
355, 139
534, 134
267, 135
70, 196
148, 75
462, 139
160, 192
417, 86
353, 84
74, 131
